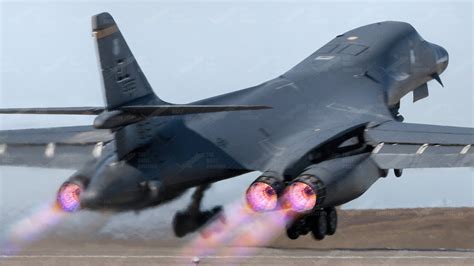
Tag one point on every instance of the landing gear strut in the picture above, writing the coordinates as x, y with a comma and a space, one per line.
192, 218
320, 223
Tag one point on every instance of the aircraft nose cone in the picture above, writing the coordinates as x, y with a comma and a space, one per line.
442, 58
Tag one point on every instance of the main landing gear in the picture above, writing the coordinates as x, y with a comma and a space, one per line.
192, 218
320, 223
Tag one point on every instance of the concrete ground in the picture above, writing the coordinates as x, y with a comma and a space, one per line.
121, 255
389, 237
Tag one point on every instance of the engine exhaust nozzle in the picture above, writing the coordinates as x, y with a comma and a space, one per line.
68, 198
263, 193
303, 194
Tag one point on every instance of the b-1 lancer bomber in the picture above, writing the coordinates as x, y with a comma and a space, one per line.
320, 134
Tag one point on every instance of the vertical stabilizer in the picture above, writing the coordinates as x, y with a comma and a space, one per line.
123, 81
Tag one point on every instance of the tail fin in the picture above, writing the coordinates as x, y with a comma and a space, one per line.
123, 81
127, 93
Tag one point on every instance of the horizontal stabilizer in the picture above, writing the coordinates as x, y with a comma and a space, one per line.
54, 110
132, 114
142, 110
165, 110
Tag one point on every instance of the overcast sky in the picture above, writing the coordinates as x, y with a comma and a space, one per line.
195, 50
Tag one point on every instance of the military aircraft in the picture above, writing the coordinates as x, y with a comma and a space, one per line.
320, 134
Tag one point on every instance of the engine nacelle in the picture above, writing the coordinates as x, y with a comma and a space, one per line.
332, 183
263, 194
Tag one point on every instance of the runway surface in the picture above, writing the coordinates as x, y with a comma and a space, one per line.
116, 255
369, 237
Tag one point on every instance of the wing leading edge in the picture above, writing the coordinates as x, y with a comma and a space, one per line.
404, 145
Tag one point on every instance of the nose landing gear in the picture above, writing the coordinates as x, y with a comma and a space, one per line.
320, 223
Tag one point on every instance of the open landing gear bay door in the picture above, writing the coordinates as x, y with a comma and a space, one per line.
403, 145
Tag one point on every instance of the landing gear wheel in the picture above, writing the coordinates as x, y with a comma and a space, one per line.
301, 226
398, 172
320, 226
292, 233
331, 218
181, 224
192, 218
214, 222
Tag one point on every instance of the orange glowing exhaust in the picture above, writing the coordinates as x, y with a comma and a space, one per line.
68, 198
301, 197
262, 197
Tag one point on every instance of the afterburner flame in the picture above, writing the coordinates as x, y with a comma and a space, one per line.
301, 197
68, 197
31, 228
261, 197
243, 230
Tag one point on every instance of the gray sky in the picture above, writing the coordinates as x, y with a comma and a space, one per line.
195, 50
